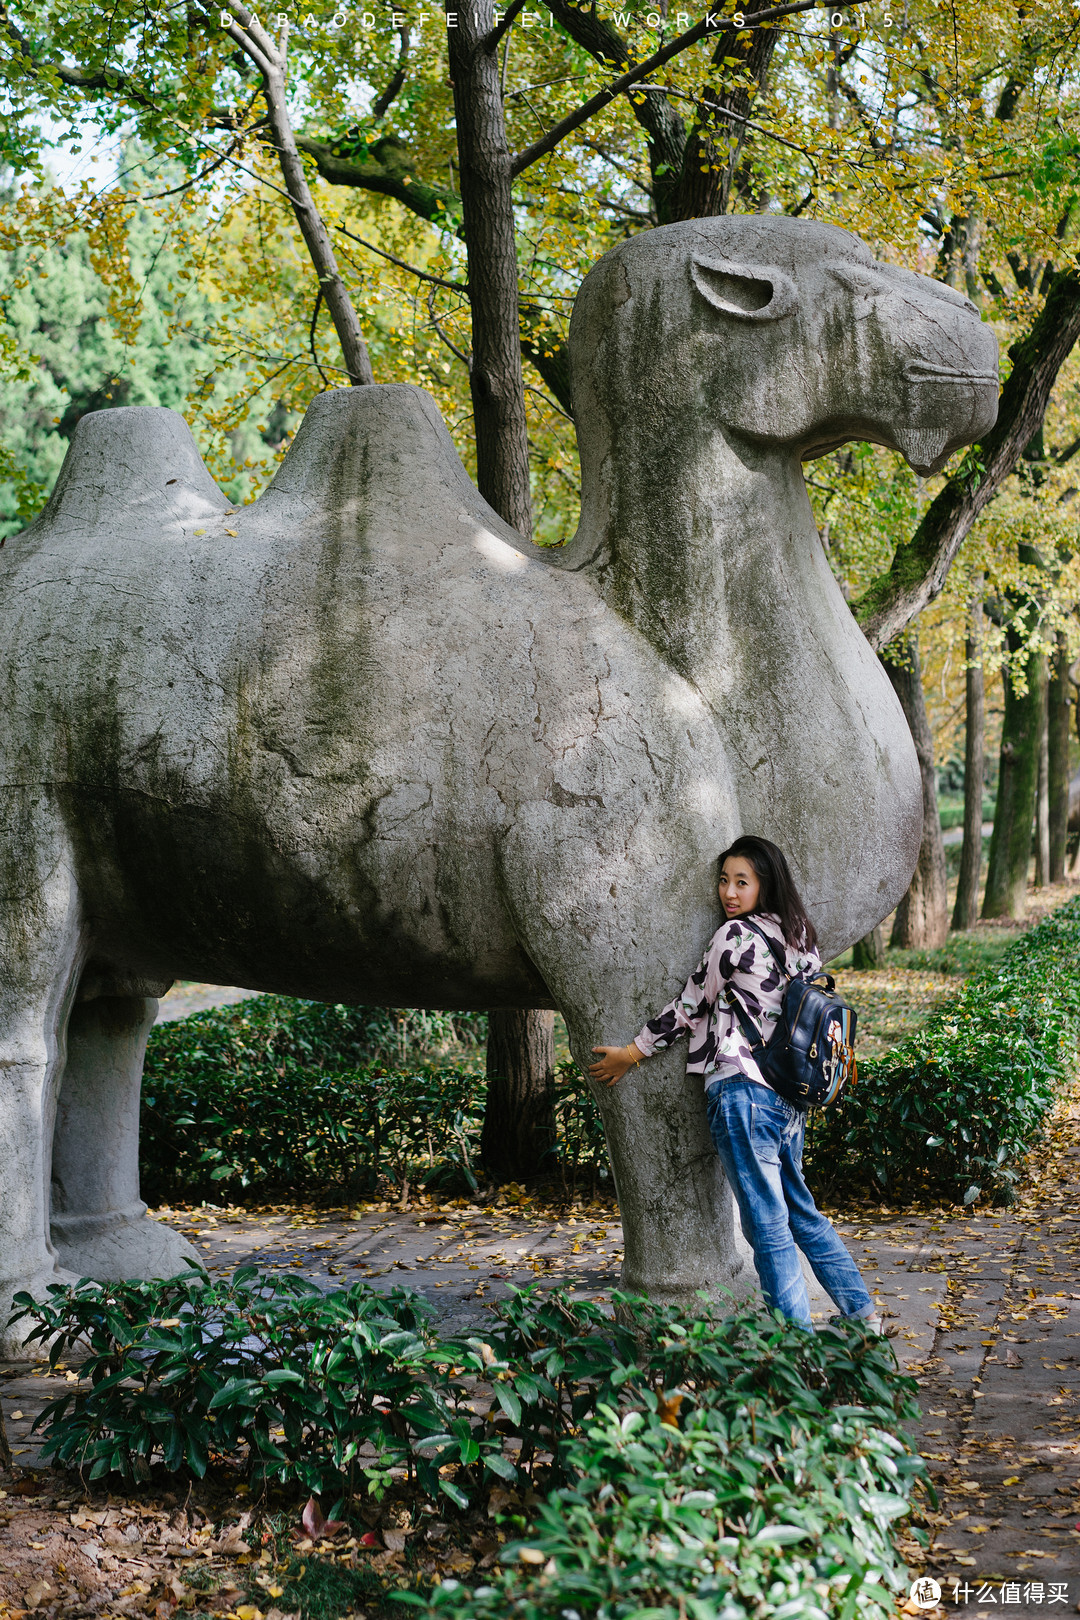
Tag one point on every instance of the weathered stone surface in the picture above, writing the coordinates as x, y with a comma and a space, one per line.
360, 741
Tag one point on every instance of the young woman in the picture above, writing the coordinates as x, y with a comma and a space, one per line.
758, 1135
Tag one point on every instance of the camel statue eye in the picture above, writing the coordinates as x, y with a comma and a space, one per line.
749, 292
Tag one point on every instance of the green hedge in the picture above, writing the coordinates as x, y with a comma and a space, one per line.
275, 1095
952, 815
953, 1110
692, 1464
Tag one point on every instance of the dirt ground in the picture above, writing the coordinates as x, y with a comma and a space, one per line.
986, 1309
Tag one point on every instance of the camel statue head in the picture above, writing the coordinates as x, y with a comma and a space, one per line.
783, 333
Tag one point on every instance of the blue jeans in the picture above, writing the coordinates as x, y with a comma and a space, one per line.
759, 1138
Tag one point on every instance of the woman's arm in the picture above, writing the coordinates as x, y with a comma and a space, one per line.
689, 1007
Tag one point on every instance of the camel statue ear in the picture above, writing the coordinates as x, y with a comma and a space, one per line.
750, 292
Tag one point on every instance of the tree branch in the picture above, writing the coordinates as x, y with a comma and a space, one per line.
385, 169
398, 78
111, 79
414, 270
634, 75
271, 60
664, 129
920, 567
450, 344
312, 330
494, 39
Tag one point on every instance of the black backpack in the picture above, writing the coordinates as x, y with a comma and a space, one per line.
810, 1055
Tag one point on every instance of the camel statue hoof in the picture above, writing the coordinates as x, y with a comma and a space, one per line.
120, 1246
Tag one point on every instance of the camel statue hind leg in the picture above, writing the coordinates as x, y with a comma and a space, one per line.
69, 1107
366, 744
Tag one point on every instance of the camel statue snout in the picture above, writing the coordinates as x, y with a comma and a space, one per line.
797, 337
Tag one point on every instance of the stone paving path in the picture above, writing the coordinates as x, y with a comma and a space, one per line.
1001, 1400
986, 1309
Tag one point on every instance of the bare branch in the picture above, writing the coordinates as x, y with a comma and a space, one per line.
491, 43
271, 60
550, 403
450, 344
414, 270
398, 79
311, 335
634, 75
155, 196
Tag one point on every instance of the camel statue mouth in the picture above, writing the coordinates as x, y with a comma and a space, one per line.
924, 371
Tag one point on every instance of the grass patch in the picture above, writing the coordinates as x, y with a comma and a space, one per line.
962, 954
321, 1589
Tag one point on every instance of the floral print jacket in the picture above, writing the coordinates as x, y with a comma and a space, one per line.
738, 956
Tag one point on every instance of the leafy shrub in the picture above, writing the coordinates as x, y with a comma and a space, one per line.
955, 1107
334, 1392
582, 1146
731, 1515
274, 1093
952, 814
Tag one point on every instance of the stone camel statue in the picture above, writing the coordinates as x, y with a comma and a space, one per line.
362, 742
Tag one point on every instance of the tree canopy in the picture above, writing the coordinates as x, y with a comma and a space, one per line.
944, 132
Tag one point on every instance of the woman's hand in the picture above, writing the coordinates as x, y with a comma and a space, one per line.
614, 1062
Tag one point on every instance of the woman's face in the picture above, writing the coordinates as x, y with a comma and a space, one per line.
739, 886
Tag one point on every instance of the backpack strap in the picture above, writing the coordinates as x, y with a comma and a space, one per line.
734, 1001
777, 955
746, 1023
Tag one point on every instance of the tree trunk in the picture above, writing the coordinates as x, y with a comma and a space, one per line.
1042, 799
922, 917
519, 1121
966, 909
1014, 811
1058, 701
869, 952
495, 375
518, 1138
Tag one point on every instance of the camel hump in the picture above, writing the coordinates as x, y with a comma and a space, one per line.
362, 450
128, 466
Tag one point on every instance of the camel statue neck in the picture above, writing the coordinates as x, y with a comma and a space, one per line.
699, 551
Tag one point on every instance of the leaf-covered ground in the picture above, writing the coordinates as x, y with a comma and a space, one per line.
988, 1311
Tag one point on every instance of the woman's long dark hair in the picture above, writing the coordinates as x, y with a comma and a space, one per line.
778, 892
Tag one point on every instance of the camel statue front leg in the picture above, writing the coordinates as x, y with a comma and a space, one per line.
99, 1222
679, 1227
